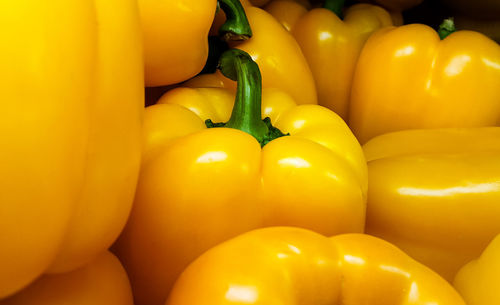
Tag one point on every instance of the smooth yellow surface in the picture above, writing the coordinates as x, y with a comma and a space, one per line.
478, 280
72, 97
287, 12
279, 57
174, 39
332, 47
407, 78
199, 188
435, 193
211, 80
101, 282
284, 265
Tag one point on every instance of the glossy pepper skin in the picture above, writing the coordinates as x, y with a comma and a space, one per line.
287, 12
174, 39
332, 47
407, 78
102, 281
283, 265
70, 133
478, 280
279, 57
199, 186
435, 193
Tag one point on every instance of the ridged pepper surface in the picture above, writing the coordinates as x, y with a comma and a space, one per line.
409, 78
283, 265
199, 186
332, 46
72, 100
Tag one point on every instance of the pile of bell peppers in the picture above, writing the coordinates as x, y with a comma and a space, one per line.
294, 152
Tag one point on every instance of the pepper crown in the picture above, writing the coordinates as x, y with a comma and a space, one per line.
238, 65
446, 28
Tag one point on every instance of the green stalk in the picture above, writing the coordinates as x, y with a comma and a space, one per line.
246, 116
236, 26
446, 28
335, 6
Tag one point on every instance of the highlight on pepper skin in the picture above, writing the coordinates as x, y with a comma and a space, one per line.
283, 265
434, 193
210, 184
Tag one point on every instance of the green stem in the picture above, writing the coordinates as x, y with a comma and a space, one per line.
446, 28
335, 6
246, 116
236, 26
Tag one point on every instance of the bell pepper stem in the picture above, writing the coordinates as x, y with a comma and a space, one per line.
335, 6
246, 116
446, 28
236, 26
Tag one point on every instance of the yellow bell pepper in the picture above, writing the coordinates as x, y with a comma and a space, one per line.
199, 186
478, 280
279, 57
284, 265
103, 281
407, 78
332, 47
287, 12
435, 193
175, 36
70, 132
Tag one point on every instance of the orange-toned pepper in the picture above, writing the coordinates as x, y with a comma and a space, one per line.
332, 47
103, 281
283, 265
199, 186
175, 36
435, 192
70, 132
477, 281
407, 77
